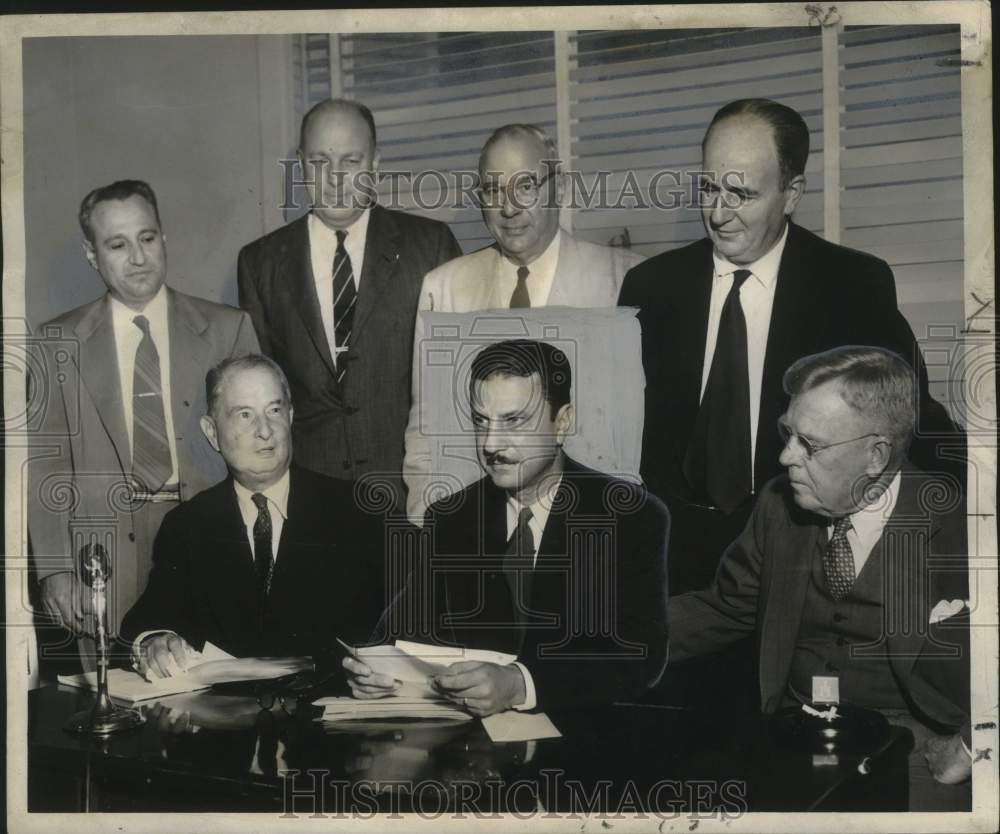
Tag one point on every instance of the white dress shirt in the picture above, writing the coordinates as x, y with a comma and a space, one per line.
540, 510
127, 338
756, 299
541, 274
868, 523
277, 505
322, 248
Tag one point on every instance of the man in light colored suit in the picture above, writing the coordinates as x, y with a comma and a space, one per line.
120, 388
533, 263
333, 296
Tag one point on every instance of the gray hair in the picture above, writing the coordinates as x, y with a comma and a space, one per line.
521, 131
874, 382
216, 377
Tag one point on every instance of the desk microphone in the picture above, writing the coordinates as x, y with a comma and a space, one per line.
105, 717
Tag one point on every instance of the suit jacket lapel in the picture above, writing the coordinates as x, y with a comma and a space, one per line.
99, 374
298, 279
569, 275
381, 255
232, 561
190, 358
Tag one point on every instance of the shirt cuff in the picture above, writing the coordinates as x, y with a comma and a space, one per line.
530, 701
137, 643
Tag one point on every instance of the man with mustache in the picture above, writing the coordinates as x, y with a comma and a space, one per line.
532, 263
121, 394
544, 559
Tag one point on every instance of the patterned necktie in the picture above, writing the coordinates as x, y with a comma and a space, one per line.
520, 546
520, 297
717, 463
151, 463
838, 560
263, 561
345, 294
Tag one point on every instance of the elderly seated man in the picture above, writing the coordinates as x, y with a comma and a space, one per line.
833, 571
258, 564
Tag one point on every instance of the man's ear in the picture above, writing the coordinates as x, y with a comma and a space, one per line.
90, 253
291, 414
208, 429
879, 456
565, 418
376, 159
793, 193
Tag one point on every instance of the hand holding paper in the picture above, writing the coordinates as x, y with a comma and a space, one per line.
366, 683
165, 655
482, 688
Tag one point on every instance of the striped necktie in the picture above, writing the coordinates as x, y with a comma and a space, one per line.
151, 462
345, 295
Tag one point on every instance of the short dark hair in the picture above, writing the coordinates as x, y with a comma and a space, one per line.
334, 104
790, 131
522, 358
118, 190
216, 377
875, 382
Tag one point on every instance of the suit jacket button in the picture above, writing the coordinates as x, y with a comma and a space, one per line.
131, 537
838, 617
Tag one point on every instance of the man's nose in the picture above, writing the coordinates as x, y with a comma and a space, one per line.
492, 440
508, 204
791, 453
264, 428
136, 254
720, 212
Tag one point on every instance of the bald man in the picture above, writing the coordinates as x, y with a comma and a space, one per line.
333, 297
532, 263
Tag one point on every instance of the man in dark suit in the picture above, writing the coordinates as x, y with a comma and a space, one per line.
543, 559
249, 564
120, 385
333, 296
724, 317
853, 566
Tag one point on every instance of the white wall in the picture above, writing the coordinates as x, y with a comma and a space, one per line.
202, 119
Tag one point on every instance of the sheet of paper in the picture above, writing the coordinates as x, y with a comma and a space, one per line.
519, 726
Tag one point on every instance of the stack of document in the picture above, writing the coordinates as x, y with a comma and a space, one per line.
346, 708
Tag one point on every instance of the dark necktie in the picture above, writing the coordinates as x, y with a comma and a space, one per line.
520, 549
345, 294
151, 464
838, 561
520, 297
263, 561
717, 463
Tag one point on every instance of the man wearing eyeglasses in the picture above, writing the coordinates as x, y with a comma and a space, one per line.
532, 263
722, 318
852, 568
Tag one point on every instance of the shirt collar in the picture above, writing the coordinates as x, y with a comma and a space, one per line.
155, 310
540, 509
869, 521
276, 494
764, 269
545, 262
357, 230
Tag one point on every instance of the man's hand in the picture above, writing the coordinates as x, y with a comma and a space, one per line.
65, 600
947, 759
163, 655
482, 688
365, 683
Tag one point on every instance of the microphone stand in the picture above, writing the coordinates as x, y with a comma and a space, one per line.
105, 717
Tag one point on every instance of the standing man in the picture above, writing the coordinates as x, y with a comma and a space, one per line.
557, 564
251, 563
531, 264
848, 571
333, 297
119, 442
724, 317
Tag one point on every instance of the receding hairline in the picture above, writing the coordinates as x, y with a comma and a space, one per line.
229, 371
519, 133
336, 107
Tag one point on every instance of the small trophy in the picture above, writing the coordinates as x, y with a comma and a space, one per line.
104, 718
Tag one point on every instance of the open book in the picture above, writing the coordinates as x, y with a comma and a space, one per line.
208, 667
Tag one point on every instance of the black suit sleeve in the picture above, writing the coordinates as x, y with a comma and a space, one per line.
168, 600
247, 279
594, 669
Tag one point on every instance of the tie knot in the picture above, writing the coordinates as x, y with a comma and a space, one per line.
142, 323
841, 527
260, 500
341, 234
522, 273
739, 278
524, 517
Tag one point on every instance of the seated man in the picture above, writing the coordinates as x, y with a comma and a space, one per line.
834, 568
257, 564
544, 559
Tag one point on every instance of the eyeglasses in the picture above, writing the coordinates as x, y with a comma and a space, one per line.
811, 447
523, 191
